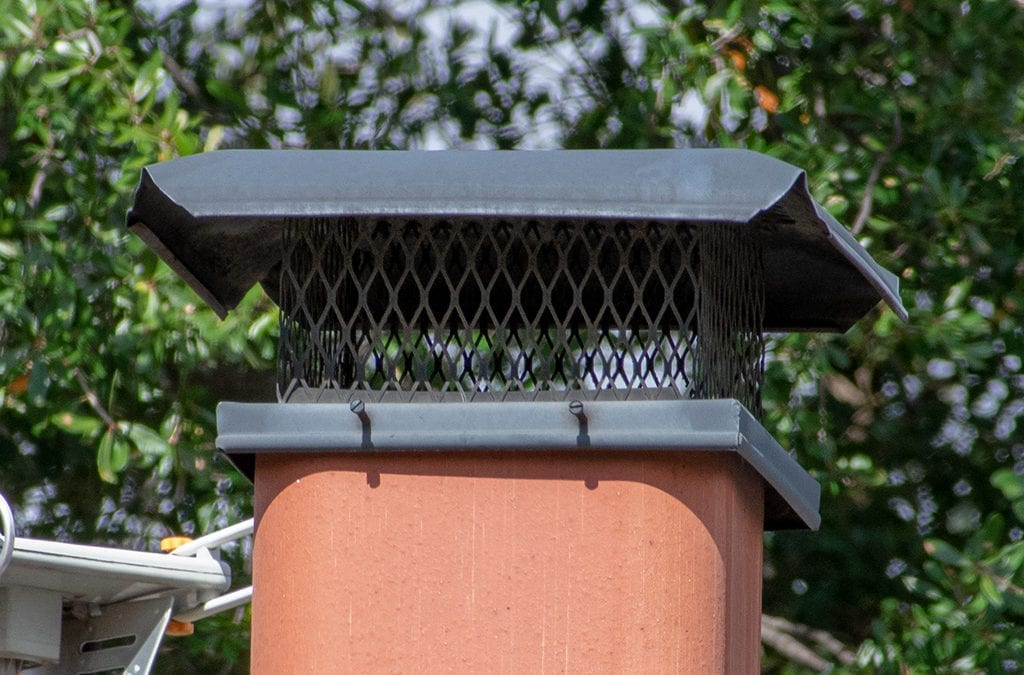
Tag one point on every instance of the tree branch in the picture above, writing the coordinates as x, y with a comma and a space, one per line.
183, 80
867, 200
93, 399
791, 648
187, 85
781, 635
35, 191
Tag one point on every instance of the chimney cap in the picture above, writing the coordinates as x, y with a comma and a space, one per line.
217, 218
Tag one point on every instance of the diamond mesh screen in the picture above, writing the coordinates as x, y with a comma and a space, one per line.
519, 309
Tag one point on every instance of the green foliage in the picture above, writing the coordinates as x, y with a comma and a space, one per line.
964, 613
104, 434
908, 116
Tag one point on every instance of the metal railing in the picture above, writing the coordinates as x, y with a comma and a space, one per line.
7, 522
215, 540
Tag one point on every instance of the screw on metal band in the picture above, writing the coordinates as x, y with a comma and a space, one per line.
358, 407
583, 437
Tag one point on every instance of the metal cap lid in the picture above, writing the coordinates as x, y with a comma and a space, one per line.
217, 218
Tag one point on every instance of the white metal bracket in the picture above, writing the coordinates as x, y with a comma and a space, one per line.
69, 608
124, 636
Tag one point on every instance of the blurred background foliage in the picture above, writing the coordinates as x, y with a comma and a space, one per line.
907, 115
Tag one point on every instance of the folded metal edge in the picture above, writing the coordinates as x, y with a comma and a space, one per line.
762, 452
245, 429
148, 201
180, 268
149, 197
885, 282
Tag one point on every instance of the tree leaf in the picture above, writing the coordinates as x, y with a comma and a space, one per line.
38, 381
1009, 483
147, 440
82, 425
104, 457
944, 552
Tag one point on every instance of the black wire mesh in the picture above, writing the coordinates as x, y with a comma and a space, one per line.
519, 309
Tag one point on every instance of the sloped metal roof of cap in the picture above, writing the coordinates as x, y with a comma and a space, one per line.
216, 218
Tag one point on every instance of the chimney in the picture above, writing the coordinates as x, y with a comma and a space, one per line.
519, 396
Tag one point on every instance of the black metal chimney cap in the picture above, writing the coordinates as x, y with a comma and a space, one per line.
217, 218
